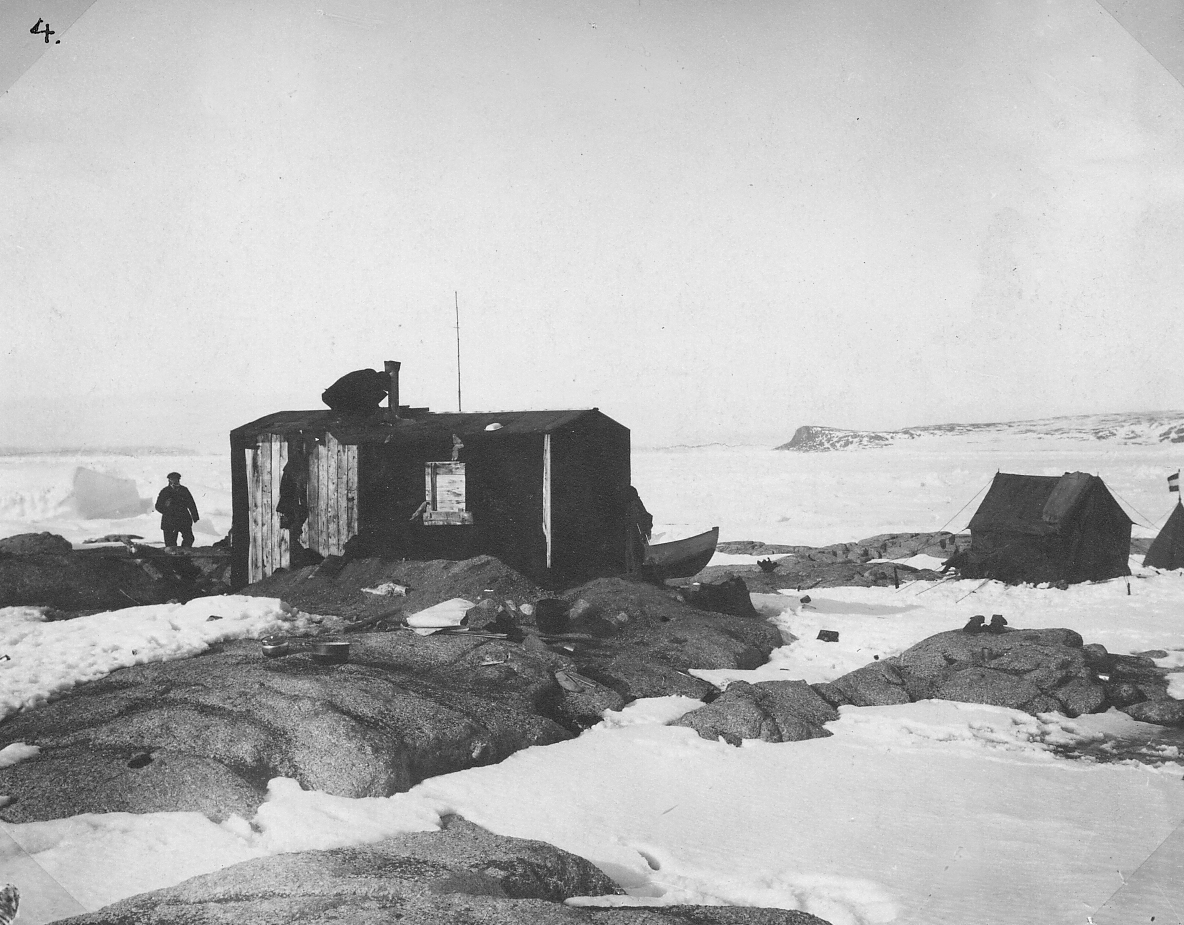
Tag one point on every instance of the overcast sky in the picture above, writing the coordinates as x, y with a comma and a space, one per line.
713, 220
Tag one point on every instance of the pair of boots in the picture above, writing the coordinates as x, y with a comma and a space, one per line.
975, 625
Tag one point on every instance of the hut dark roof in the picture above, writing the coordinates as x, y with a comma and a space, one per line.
383, 425
1034, 504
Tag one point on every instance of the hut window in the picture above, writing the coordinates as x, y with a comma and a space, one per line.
444, 484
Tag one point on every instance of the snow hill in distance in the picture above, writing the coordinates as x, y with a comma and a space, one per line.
1137, 428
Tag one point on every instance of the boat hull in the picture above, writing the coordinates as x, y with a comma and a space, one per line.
682, 558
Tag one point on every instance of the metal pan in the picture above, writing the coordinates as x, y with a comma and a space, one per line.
323, 651
330, 651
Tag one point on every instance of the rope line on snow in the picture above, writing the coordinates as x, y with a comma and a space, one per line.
968, 593
1146, 519
966, 505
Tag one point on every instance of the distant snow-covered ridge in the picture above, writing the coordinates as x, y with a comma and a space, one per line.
1140, 428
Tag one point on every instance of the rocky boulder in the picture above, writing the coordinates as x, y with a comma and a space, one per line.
207, 733
462, 875
660, 638
801, 574
1035, 671
772, 711
30, 544
1160, 712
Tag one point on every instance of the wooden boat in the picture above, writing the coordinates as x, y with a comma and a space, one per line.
682, 558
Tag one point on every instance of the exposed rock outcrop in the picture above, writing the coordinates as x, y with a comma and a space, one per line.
1036, 670
462, 875
772, 711
29, 544
207, 733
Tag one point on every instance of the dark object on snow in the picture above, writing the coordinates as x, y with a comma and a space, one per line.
1167, 550
975, 624
729, 596
550, 615
359, 392
767, 565
1035, 528
997, 624
828, 635
804, 599
956, 561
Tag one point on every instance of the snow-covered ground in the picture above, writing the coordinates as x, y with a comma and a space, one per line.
924, 814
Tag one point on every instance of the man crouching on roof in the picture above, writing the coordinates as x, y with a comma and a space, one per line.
178, 512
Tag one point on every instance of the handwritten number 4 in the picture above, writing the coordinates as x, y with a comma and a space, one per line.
37, 30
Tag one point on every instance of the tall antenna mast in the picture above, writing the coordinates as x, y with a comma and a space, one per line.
456, 303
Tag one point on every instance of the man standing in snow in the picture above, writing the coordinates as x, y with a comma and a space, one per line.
178, 512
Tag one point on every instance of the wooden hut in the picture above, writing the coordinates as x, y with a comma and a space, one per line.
544, 491
1035, 528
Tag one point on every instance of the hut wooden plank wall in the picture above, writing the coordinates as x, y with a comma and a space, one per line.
332, 479
542, 490
1032, 528
269, 546
332, 495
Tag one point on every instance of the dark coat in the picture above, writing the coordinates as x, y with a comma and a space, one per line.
176, 507
359, 392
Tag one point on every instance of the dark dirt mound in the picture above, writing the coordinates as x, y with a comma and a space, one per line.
110, 577
28, 544
78, 582
321, 589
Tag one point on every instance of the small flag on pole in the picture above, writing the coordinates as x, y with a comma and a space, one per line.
1174, 481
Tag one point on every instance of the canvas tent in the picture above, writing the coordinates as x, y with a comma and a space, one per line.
544, 491
1167, 550
1035, 528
